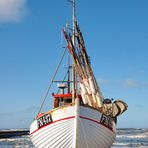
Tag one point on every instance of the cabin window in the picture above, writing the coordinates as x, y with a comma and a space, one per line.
61, 102
68, 100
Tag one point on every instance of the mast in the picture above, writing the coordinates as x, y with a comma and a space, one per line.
74, 43
74, 77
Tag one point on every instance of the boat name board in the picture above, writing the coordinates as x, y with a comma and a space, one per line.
106, 121
45, 119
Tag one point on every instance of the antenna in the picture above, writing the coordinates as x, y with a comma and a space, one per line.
73, 2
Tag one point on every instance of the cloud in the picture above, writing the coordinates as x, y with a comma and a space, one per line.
31, 109
130, 83
102, 81
12, 10
8, 114
135, 84
139, 106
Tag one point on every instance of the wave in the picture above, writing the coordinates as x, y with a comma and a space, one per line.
12, 133
120, 144
129, 145
9, 140
132, 136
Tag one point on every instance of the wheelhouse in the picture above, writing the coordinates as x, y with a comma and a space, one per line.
63, 99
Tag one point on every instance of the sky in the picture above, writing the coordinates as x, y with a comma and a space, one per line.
116, 38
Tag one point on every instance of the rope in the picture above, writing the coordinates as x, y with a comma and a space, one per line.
45, 97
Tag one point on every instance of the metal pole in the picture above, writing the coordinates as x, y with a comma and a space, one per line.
73, 65
68, 74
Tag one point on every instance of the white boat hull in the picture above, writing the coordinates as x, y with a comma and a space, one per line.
89, 128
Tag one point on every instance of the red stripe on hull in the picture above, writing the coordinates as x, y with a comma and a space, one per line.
95, 122
71, 118
52, 123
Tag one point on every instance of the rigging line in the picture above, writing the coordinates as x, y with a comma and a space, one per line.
52, 80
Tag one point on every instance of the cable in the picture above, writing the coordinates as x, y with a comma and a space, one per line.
52, 80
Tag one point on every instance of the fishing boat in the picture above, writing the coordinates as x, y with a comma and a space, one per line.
81, 117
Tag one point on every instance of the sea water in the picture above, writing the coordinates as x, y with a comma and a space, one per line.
126, 138
135, 138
